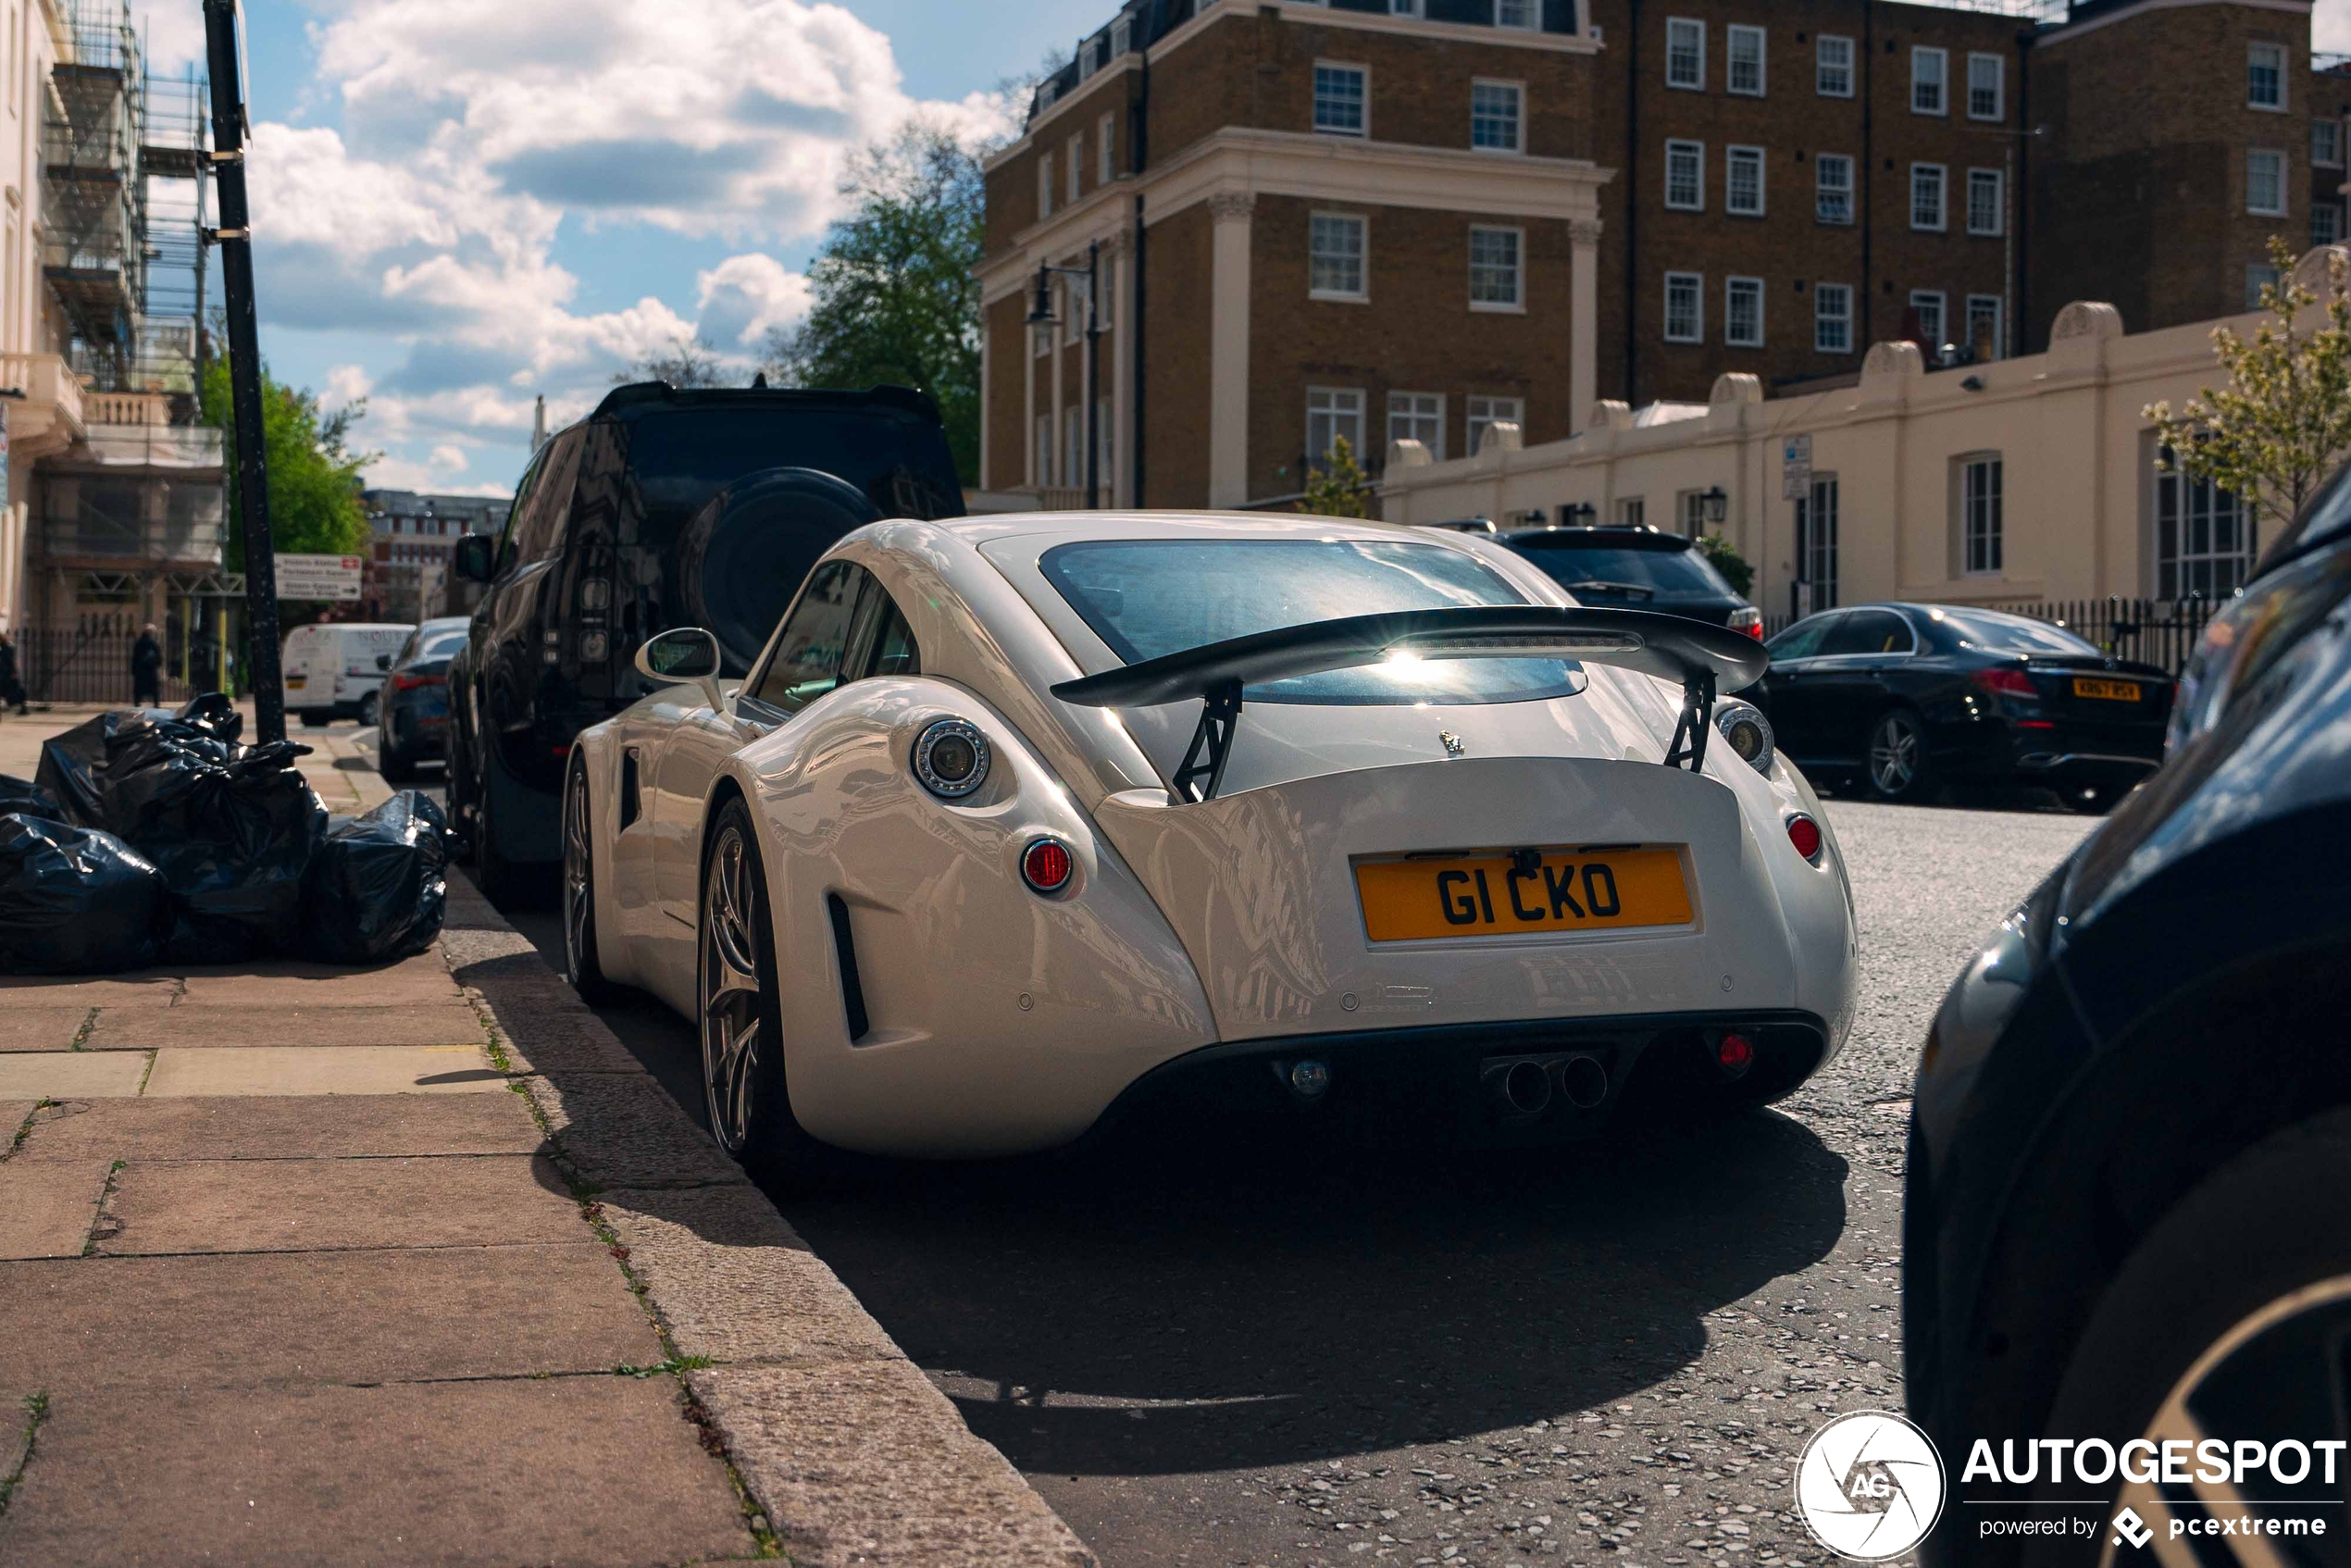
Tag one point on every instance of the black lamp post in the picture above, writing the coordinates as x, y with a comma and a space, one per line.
1042, 322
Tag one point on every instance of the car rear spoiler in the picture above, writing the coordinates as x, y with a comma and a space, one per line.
1704, 659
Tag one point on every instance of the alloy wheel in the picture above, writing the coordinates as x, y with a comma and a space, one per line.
1894, 746
578, 890
731, 1042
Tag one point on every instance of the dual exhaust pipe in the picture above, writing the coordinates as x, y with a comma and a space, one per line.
1525, 1089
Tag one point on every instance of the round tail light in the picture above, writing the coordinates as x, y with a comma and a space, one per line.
1046, 865
1805, 834
1735, 1053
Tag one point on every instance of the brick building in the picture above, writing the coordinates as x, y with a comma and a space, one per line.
1390, 218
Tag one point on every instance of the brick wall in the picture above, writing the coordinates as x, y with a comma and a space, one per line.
1176, 360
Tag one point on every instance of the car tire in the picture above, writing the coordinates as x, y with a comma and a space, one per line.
317, 719
499, 880
368, 706
1895, 763
395, 766
581, 966
742, 1012
2267, 1239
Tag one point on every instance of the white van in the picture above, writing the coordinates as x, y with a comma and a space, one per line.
330, 670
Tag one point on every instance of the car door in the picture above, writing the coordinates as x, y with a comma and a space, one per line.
1790, 687
1853, 679
806, 661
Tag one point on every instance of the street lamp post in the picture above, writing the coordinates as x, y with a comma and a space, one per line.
1042, 322
1716, 505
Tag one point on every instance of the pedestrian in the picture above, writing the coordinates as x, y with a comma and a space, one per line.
11, 688
147, 669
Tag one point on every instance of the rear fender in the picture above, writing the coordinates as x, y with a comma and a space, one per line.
996, 1020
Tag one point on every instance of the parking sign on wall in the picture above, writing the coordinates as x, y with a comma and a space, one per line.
1796, 467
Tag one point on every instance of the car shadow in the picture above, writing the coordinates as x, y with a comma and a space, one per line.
1208, 1307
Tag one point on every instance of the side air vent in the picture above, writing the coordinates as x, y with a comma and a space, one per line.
852, 989
630, 806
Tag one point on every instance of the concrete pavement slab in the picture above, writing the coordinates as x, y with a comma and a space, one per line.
71, 1075
562, 1042
864, 1461
295, 1069
15, 1431
422, 978
258, 1320
309, 1205
14, 1113
573, 1471
621, 1130
299, 1126
464, 949
733, 1282
58, 990
47, 1210
452, 1022
43, 1028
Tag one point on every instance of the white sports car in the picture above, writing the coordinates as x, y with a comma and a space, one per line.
1021, 821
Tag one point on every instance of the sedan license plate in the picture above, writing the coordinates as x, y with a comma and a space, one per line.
1489, 895
297, 682
2111, 690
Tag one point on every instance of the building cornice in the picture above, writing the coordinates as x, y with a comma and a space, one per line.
1391, 174
2067, 33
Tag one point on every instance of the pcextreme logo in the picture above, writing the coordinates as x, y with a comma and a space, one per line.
1870, 1486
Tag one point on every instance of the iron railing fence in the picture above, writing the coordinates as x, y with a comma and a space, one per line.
2149, 632
84, 664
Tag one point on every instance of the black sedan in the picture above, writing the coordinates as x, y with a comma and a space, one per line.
412, 721
1638, 569
2128, 1225
1904, 698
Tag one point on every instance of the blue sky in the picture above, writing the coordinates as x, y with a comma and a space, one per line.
462, 205
459, 206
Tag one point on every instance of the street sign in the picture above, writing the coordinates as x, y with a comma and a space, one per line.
1796, 468
320, 577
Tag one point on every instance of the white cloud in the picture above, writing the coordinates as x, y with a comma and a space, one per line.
2331, 26
471, 134
174, 31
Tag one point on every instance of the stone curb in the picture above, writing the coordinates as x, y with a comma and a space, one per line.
855, 1456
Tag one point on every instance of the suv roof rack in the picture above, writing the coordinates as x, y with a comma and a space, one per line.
639, 394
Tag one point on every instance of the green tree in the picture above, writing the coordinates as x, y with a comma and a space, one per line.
2283, 423
895, 300
314, 472
1338, 489
1729, 562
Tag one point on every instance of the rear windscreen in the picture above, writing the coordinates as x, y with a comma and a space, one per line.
1149, 597
682, 457
1605, 568
2009, 634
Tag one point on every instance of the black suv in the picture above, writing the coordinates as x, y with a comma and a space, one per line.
1630, 568
662, 508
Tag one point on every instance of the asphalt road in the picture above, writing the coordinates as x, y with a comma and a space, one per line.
1210, 1354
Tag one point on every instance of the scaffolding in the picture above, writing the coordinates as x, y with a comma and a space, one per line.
122, 164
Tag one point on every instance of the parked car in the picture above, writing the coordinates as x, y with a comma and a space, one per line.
2129, 1207
662, 508
1016, 825
412, 721
332, 670
1903, 698
1640, 569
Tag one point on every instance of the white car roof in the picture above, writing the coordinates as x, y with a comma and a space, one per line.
1179, 525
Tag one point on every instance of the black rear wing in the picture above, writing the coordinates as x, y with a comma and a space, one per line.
1704, 659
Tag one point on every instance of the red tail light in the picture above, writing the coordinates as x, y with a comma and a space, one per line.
1737, 1053
411, 682
1805, 834
1750, 620
2006, 683
1046, 865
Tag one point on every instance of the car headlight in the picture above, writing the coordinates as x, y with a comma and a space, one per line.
1747, 732
2251, 633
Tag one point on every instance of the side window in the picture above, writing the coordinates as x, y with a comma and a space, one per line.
1872, 631
894, 650
535, 532
1803, 640
814, 642
525, 490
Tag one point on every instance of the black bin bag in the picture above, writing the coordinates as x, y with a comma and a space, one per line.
379, 887
233, 830
23, 795
76, 901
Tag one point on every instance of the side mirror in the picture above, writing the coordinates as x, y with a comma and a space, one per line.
383, 661
472, 559
688, 655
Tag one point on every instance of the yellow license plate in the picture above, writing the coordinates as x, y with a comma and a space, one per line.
1491, 895
297, 682
2112, 690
